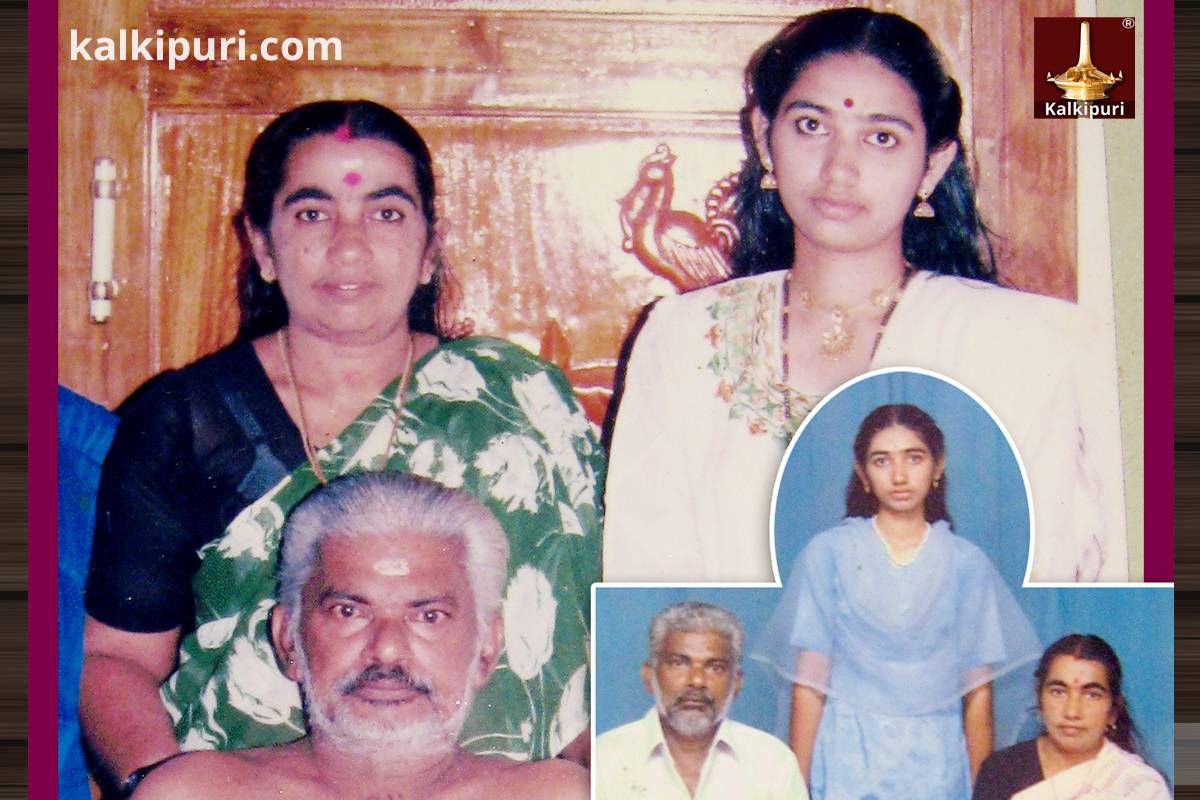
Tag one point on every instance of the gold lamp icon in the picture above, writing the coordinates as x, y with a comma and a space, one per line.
1083, 81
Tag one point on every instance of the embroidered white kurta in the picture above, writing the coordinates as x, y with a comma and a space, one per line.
702, 425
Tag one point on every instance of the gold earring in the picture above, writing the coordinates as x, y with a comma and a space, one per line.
923, 209
936, 482
867, 488
767, 181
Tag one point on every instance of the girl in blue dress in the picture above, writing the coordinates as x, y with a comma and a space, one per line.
892, 629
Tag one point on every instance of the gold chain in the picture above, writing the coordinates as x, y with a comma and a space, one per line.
310, 452
835, 340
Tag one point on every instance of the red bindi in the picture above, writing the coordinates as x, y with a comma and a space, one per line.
848, 103
342, 134
352, 178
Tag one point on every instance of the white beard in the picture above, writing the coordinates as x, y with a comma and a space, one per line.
334, 720
687, 722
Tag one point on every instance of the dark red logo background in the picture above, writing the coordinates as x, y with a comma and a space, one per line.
1056, 49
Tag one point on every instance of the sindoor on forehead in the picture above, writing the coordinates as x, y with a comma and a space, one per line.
577, 143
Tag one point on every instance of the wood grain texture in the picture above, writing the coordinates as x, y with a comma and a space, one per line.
538, 114
642, 8
1027, 167
1187, 381
1187, 212
1187, 371
14, 527
579, 64
103, 114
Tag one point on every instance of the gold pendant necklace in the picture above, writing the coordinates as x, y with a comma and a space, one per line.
836, 340
310, 452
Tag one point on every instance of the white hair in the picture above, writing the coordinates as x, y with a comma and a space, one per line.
394, 504
694, 616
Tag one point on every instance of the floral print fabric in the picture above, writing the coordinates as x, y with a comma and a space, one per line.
482, 415
748, 358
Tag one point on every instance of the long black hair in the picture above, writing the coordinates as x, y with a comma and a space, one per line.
1088, 647
955, 241
860, 502
262, 306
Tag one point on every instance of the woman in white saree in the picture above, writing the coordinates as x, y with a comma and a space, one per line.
1088, 750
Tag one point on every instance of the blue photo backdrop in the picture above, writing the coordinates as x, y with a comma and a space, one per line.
985, 491
986, 497
1137, 622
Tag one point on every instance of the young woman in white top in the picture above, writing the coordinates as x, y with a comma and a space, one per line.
860, 247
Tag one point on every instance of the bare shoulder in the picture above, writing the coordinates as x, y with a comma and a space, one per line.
550, 779
204, 774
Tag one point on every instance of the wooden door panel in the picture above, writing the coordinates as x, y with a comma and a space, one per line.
538, 115
199, 162
1027, 170
529, 221
533, 227
453, 61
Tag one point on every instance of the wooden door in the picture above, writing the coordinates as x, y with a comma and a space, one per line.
538, 114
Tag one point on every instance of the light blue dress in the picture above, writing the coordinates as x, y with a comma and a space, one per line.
893, 649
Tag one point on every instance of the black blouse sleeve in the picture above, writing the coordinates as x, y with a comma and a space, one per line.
1008, 771
143, 554
193, 448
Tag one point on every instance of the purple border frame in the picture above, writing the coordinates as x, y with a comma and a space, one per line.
1159, 213
1158, 110
42, 412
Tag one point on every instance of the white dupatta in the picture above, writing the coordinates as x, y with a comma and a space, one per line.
1113, 773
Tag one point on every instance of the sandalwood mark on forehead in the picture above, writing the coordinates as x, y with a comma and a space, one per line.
848, 102
351, 179
342, 134
392, 567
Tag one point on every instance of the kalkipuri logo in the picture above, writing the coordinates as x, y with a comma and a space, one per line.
1084, 67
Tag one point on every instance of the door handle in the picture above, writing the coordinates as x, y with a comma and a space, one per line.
102, 288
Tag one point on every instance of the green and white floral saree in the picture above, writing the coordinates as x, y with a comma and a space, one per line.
482, 415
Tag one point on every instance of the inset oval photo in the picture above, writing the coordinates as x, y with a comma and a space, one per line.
895, 450
901, 526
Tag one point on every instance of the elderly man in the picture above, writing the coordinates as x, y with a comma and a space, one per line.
388, 618
685, 747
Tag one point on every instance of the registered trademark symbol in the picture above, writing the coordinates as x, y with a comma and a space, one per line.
1127, 22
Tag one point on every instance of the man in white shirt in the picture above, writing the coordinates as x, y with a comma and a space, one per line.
685, 747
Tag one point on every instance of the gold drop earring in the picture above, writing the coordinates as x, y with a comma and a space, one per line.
923, 209
767, 181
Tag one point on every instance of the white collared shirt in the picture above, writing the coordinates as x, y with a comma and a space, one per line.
633, 761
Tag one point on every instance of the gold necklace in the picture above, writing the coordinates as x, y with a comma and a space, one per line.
837, 339
310, 452
836, 334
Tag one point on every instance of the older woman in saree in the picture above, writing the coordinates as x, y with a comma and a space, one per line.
338, 367
860, 247
1088, 748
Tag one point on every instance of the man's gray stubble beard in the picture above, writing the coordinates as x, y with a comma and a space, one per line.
429, 737
688, 723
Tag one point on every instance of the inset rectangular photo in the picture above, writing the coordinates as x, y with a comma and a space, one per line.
691, 698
